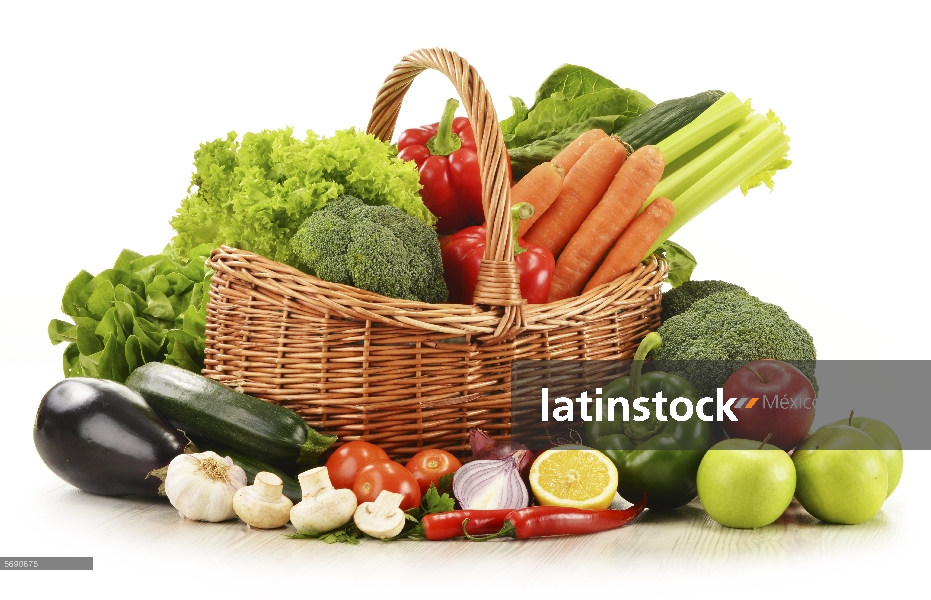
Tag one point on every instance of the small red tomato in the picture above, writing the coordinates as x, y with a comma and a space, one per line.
346, 462
386, 475
427, 466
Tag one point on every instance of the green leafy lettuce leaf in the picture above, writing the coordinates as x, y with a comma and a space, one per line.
253, 194
144, 309
558, 112
61, 331
520, 114
681, 262
526, 157
572, 81
569, 102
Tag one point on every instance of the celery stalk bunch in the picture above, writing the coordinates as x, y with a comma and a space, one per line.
726, 147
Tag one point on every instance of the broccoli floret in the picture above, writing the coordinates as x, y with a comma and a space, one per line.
379, 248
320, 245
426, 263
378, 261
343, 206
724, 331
678, 300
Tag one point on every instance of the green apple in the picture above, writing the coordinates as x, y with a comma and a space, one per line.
745, 484
842, 476
888, 443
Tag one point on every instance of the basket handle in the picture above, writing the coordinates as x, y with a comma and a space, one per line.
498, 278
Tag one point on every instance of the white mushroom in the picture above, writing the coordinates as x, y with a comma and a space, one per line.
261, 504
322, 507
382, 518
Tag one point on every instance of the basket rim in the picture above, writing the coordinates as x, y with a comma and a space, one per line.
295, 288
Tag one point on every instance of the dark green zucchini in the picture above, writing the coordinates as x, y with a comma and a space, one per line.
666, 118
205, 409
252, 467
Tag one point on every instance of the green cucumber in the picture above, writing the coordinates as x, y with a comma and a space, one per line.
252, 467
205, 409
666, 118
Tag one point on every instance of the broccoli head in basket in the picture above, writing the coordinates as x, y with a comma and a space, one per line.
376, 248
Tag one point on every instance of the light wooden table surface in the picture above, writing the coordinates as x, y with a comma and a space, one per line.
144, 547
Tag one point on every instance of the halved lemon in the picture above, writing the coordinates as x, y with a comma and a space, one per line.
574, 478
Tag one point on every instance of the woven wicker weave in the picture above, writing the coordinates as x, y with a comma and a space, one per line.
410, 375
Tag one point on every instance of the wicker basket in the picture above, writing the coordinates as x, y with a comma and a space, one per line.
410, 375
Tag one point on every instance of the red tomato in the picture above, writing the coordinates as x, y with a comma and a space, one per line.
344, 464
427, 466
386, 475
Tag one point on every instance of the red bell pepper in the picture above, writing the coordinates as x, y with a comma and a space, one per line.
445, 155
463, 252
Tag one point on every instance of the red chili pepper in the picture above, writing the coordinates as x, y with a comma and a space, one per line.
448, 525
542, 521
446, 157
463, 252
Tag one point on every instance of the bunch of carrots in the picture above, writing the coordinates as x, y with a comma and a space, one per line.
586, 203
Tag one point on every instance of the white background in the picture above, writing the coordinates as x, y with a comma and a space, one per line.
103, 105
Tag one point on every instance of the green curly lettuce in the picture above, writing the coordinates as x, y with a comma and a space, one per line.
254, 194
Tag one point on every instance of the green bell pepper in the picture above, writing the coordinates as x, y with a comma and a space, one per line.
660, 458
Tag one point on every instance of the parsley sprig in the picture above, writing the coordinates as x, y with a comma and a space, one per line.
347, 534
434, 501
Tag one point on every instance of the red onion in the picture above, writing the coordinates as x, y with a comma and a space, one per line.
486, 448
490, 485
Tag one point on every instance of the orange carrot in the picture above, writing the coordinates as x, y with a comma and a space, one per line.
635, 242
539, 187
630, 188
571, 154
583, 187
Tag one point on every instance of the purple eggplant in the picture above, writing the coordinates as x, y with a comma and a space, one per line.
102, 437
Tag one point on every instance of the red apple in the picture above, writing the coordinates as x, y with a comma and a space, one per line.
784, 403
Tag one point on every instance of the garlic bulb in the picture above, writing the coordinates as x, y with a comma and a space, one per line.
201, 486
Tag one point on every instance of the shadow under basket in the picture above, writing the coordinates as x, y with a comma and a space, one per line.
410, 375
